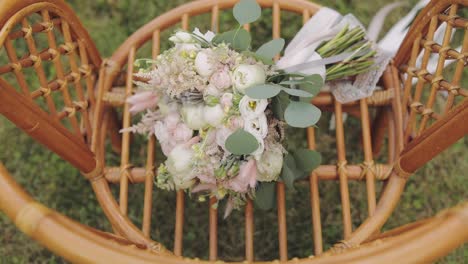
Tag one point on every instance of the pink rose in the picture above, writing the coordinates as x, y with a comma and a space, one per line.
246, 179
236, 122
182, 133
170, 132
221, 79
142, 101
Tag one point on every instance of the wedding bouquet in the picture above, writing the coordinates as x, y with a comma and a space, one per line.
219, 110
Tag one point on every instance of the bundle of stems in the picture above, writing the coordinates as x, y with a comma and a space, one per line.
354, 42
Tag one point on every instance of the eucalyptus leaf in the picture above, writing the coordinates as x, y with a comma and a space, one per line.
279, 104
288, 173
310, 88
292, 82
307, 160
300, 114
263, 91
314, 79
265, 196
239, 39
241, 142
297, 92
271, 49
247, 11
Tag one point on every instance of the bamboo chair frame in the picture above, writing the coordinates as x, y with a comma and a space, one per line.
81, 145
95, 246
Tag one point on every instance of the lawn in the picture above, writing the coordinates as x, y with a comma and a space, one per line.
441, 184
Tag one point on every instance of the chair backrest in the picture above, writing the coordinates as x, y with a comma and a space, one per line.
432, 106
48, 72
431, 93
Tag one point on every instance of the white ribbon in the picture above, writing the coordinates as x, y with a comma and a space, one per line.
301, 56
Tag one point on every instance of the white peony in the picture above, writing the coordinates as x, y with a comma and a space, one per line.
204, 64
179, 165
245, 76
194, 116
270, 163
257, 126
252, 108
208, 36
214, 115
261, 147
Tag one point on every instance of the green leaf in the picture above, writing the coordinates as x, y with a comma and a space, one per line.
271, 49
279, 104
297, 92
289, 171
241, 142
307, 160
310, 88
239, 39
247, 11
314, 79
265, 196
300, 114
263, 91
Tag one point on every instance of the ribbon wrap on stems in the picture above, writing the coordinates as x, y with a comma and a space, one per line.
301, 55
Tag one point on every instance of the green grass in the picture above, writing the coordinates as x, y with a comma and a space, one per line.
439, 185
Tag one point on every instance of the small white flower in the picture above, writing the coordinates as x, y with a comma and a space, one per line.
182, 37
190, 49
179, 165
208, 36
203, 64
257, 126
245, 76
270, 164
252, 108
194, 116
214, 115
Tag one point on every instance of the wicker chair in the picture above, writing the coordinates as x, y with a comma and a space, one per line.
78, 114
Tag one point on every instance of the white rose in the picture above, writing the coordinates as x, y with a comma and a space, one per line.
211, 90
182, 37
214, 115
245, 76
179, 165
204, 64
270, 164
257, 126
194, 116
252, 108
208, 36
